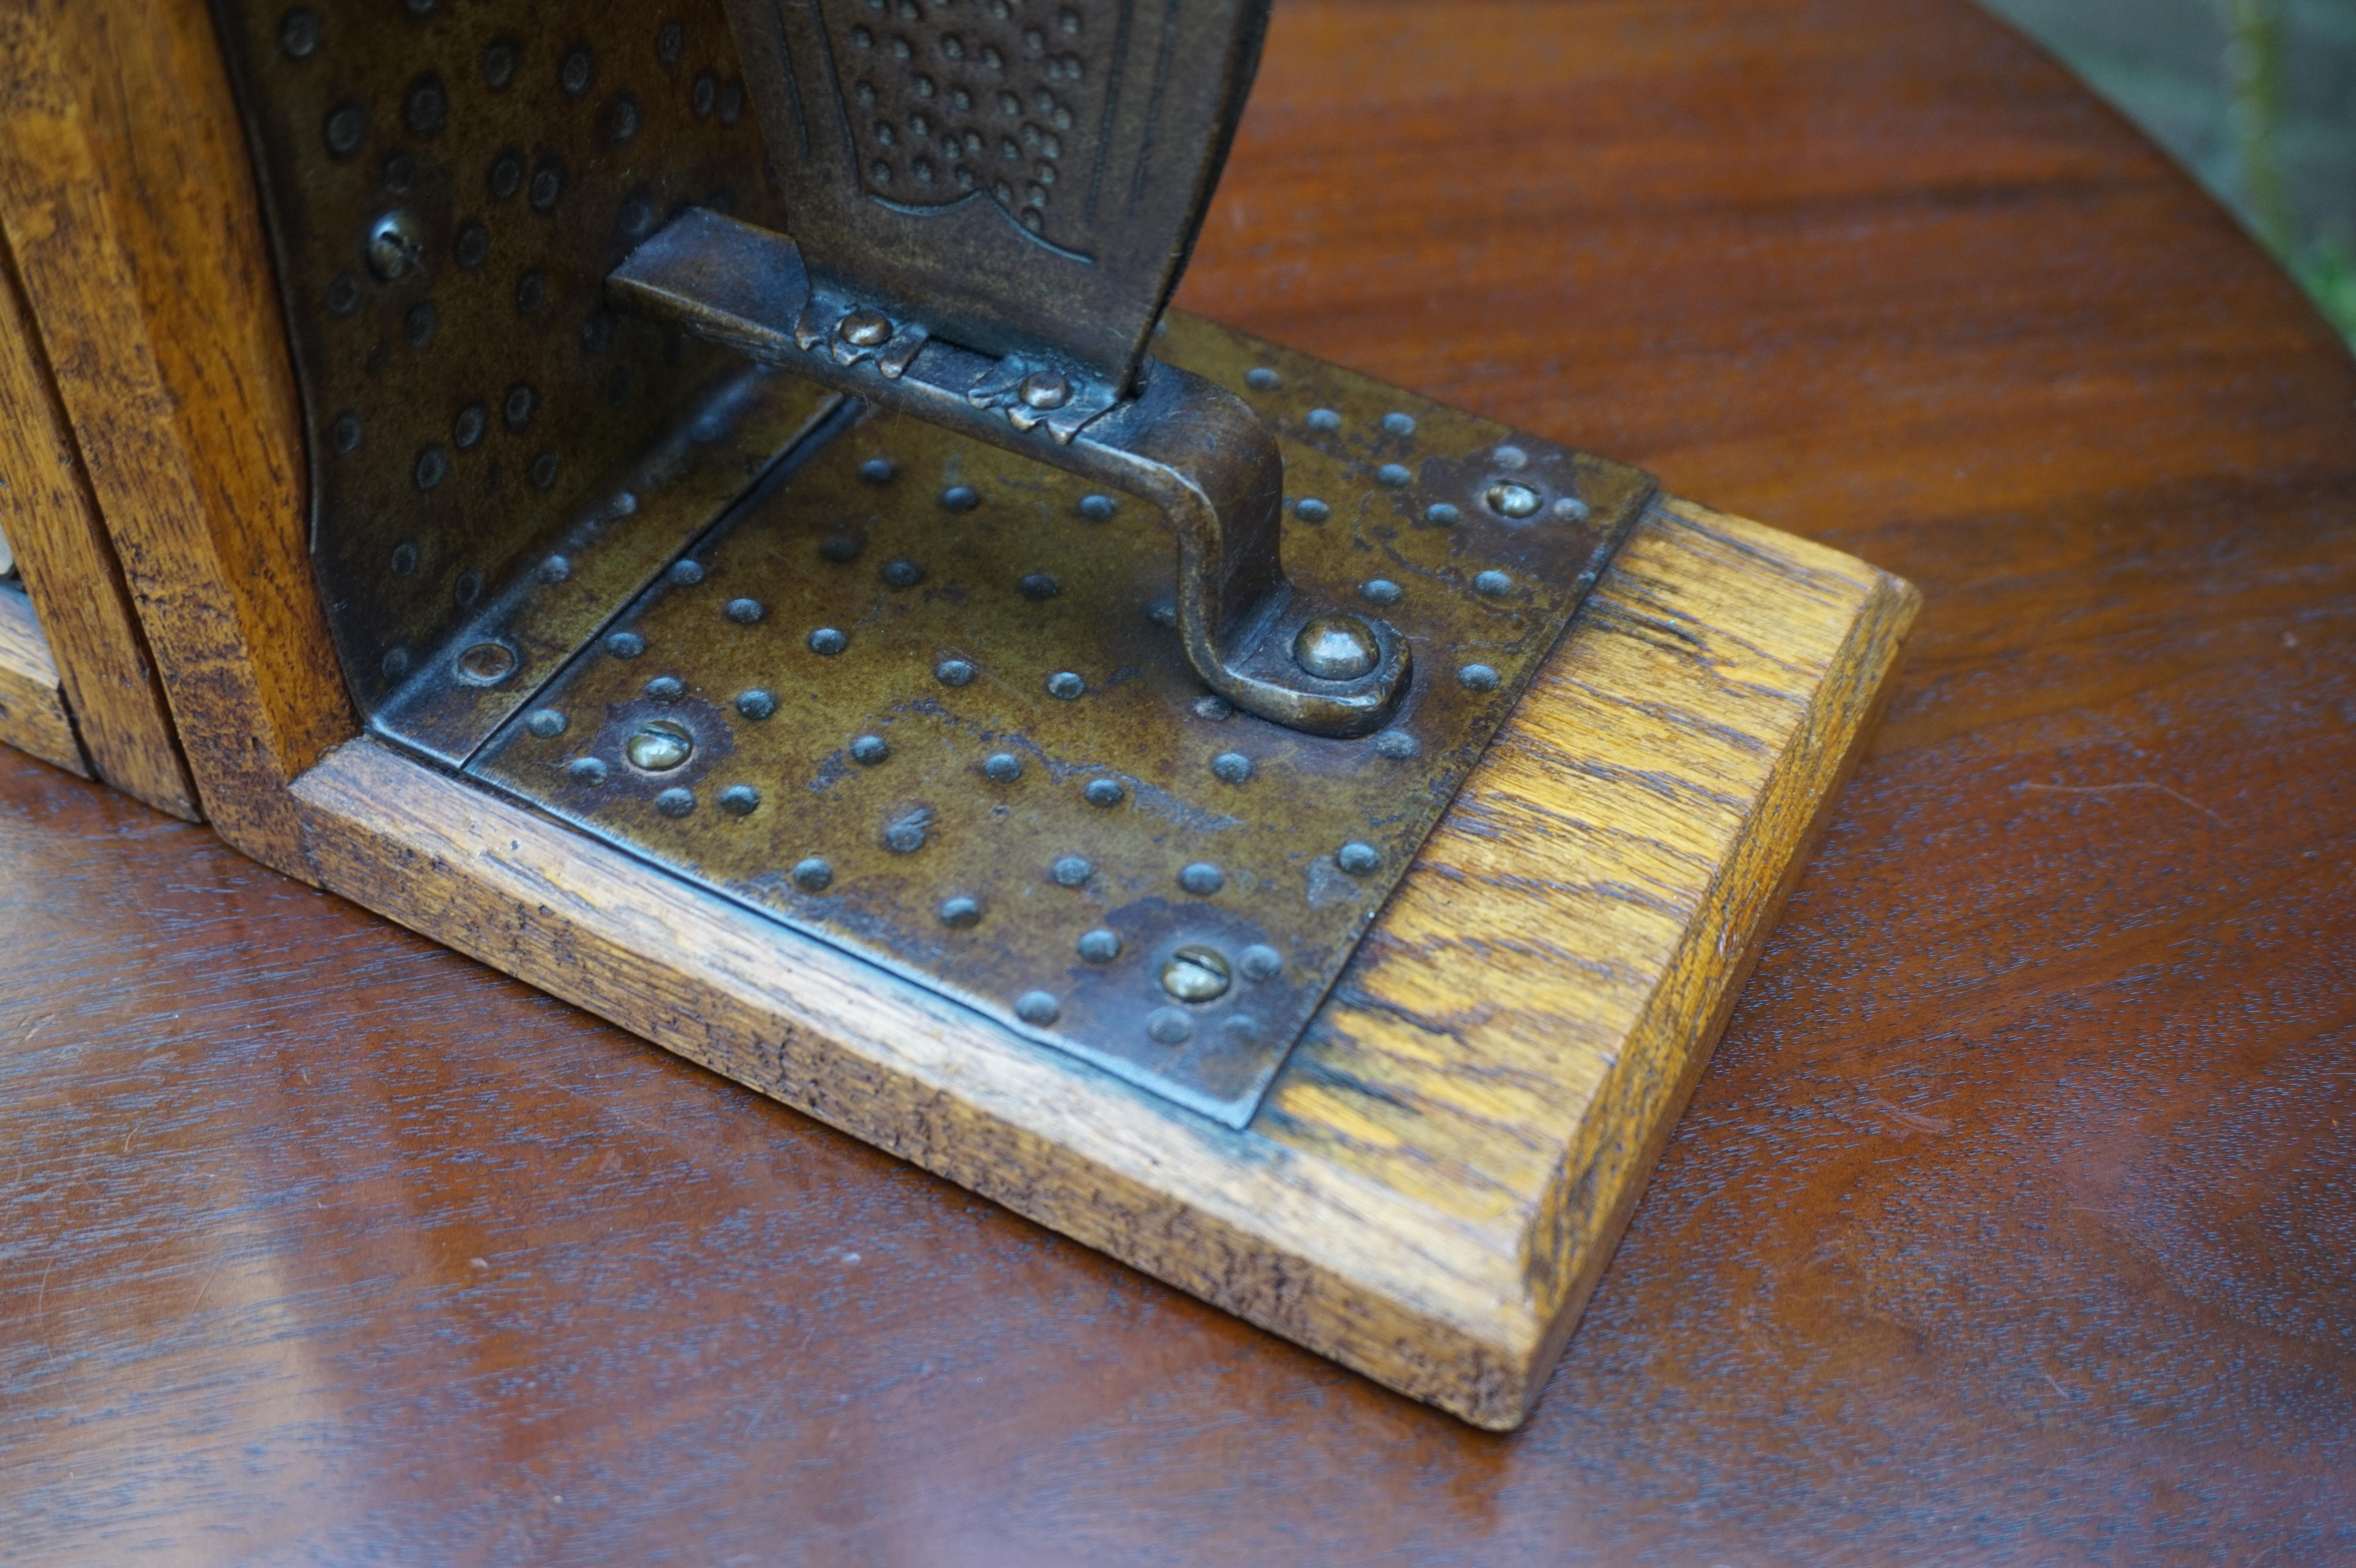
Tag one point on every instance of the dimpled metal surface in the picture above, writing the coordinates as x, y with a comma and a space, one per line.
447, 185
953, 855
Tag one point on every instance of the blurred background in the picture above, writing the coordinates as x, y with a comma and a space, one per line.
2256, 97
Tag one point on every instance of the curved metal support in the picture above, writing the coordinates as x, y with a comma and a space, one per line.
1183, 443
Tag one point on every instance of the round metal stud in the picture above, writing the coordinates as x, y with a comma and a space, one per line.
740, 800
901, 572
1046, 389
1381, 590
756, 704
1202, 878
417, 326
1260, 962
1071, 871
1399, 424
433, 466
953, 672
404, 558
531, 291
1099, 946
1168, 1026
576, 71
466, 590
1163, 613
1440, 515
1358, 859
659, 746
1037, 1008
1394, 475
877, 471
1231, 767
1324, 422
586, 771
486, 663
1213, 708
1104, 792
1570, 509
813, 874
961, 913
547, 724
1336, 648
668, 42
743, 612
626, 645
543, 471
1096, 508
427, 108
907, 835
1065, 686
474, 246
1396, 744
961, 499
840, 548
1039, 587
1511, 498
686, 574
1310, 510
298, 33
555, 569
827, 642
346, 434
1492, 584
868, 749
1477, 677
347, 128
1260, 378
466, 430
1001, 767
665, 689
1509, 457
518, 406
865, 329
675, 801
394, 245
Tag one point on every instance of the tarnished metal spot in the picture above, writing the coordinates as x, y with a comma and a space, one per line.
1025, 798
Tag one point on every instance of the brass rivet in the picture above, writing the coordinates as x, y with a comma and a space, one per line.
1195, 974
1509, 457
1071, 871
1168, 1026
1336, 648
587, 770
1399, 424
740, 800
548, 723
1099, 946
1037, 1008
1261, 963
1510, 498
1202, 878
1492, 584
1396, 744
813, 874
870, 750
1046, 389
1477, 677
953, 672
1231, 767
865, 329
1066, 686
1104, 792
1002, 767
675, 801
394, 245
961, 913
659, 745
1394, 475
1358, 859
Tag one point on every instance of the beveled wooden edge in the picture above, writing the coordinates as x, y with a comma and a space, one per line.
70, 573
1465, 1316
33, 716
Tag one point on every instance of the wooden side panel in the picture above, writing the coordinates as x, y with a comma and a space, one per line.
1435, 1186
130, 208
70, 573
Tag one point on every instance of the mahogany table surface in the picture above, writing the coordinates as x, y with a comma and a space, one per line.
2011, 1224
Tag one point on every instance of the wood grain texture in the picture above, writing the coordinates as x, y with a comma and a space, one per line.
33, 716
128, 202
71, 577
1433, 1189
2008, 1225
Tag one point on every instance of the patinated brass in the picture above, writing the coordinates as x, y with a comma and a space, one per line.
947, 674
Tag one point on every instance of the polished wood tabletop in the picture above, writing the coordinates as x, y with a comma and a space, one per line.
2012, 1224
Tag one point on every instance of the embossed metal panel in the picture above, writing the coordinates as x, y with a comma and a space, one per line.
448, 183
919, 697
1024, 177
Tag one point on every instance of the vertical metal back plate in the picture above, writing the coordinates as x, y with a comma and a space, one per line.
448, 183
1023, 176
917, 696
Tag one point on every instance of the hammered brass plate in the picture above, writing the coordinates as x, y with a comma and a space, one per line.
939, 672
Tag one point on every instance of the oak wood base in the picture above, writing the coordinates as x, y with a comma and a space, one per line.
33, 716
1436, 1180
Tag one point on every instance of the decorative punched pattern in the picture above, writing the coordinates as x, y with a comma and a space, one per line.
922, 698
953, 99
448, 185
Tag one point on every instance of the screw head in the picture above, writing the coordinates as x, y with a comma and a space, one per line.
1511, 498
865, 329
1099, 946
1196, 974
1037, 1008
659, 745
1046, 389
813, 874
1336, 648
487, 664
394, 245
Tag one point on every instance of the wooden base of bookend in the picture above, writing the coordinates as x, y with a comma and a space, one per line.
1437, 1178
32, 698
